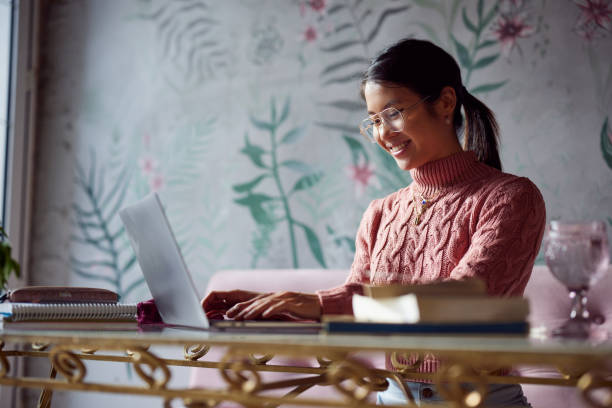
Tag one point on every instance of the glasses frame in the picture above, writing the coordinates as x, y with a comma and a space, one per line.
383, 122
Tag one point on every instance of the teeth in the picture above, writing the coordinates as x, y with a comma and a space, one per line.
397, 147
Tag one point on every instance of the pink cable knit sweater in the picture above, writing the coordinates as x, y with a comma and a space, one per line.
482, 223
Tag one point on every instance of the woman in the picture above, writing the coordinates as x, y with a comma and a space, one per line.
460, 217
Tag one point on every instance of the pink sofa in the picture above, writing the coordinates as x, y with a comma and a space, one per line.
548, 300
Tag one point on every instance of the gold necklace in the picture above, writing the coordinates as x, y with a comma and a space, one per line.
420, 206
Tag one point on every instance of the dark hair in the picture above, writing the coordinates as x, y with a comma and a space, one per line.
426, 69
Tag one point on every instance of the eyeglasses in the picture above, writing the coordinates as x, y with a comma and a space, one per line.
371, 127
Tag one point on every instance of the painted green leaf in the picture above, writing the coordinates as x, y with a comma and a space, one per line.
335, 8
462, 53
306, 182
348, 105
248, 186
357, 150
606, 143
293, 135
486, 44
341, 46
485, 61
468, 23
489, 17
349, 242
285, 111
355, 76
254, 202
488, 87
340, 126
387, 13
262, 125
480, 8
272, 110
254, 153
314, 244
362, 61
298, 166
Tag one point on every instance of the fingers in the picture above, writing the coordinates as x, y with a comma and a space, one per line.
224, 300
238, 308
257, 307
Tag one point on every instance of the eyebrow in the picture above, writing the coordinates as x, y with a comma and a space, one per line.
387, 105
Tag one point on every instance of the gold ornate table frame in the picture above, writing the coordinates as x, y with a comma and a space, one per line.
470, 360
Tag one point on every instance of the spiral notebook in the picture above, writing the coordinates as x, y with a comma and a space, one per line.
67, 312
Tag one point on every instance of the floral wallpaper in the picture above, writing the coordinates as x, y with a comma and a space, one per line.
244, 116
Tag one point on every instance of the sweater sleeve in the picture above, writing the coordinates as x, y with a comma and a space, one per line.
338, 300
508, 230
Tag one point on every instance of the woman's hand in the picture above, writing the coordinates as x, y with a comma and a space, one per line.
217, 303
300, 305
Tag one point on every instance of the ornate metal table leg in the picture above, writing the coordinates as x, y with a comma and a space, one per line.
592, 382
44, 401
449, 380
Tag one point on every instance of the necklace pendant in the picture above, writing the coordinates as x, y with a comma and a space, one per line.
417, 219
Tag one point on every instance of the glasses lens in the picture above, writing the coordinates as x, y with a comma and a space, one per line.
393, 119
368, 129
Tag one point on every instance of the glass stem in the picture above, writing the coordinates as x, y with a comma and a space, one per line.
579, 302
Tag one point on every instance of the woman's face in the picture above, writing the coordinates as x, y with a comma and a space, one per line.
426, 135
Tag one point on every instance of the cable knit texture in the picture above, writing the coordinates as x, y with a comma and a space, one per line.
482, 222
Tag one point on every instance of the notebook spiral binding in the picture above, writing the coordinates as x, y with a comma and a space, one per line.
81, 311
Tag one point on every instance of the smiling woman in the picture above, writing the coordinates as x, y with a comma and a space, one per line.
461, 216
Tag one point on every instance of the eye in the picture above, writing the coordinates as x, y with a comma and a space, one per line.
393, 114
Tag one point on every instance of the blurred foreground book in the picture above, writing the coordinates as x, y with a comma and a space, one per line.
453, 307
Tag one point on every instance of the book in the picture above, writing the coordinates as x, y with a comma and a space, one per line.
62, 294
471, 286
14, 312
414, 308
490, 328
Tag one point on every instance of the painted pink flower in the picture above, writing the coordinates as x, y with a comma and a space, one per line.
310, 34
595, 12
317, 5
156, 182
362, 176
147, 165
509, 29
595, 18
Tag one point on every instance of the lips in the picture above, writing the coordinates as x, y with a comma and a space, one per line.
398, 149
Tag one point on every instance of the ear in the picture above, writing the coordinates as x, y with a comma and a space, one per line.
445, 105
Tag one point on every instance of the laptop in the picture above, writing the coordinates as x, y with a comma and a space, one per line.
168, 278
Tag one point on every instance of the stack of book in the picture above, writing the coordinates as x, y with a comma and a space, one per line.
451, 307
66, 308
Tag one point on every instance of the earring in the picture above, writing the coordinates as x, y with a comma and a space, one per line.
447, 120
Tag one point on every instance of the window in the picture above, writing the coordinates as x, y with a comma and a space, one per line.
6, 12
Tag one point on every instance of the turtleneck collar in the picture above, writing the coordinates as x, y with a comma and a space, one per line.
453, 169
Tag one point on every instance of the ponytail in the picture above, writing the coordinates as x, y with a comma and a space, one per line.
481, 133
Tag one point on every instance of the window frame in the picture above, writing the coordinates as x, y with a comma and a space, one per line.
19, 160
21, 129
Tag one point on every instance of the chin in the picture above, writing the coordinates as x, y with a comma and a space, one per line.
406, 165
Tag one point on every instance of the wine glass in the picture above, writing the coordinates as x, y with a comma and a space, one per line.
577, 254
